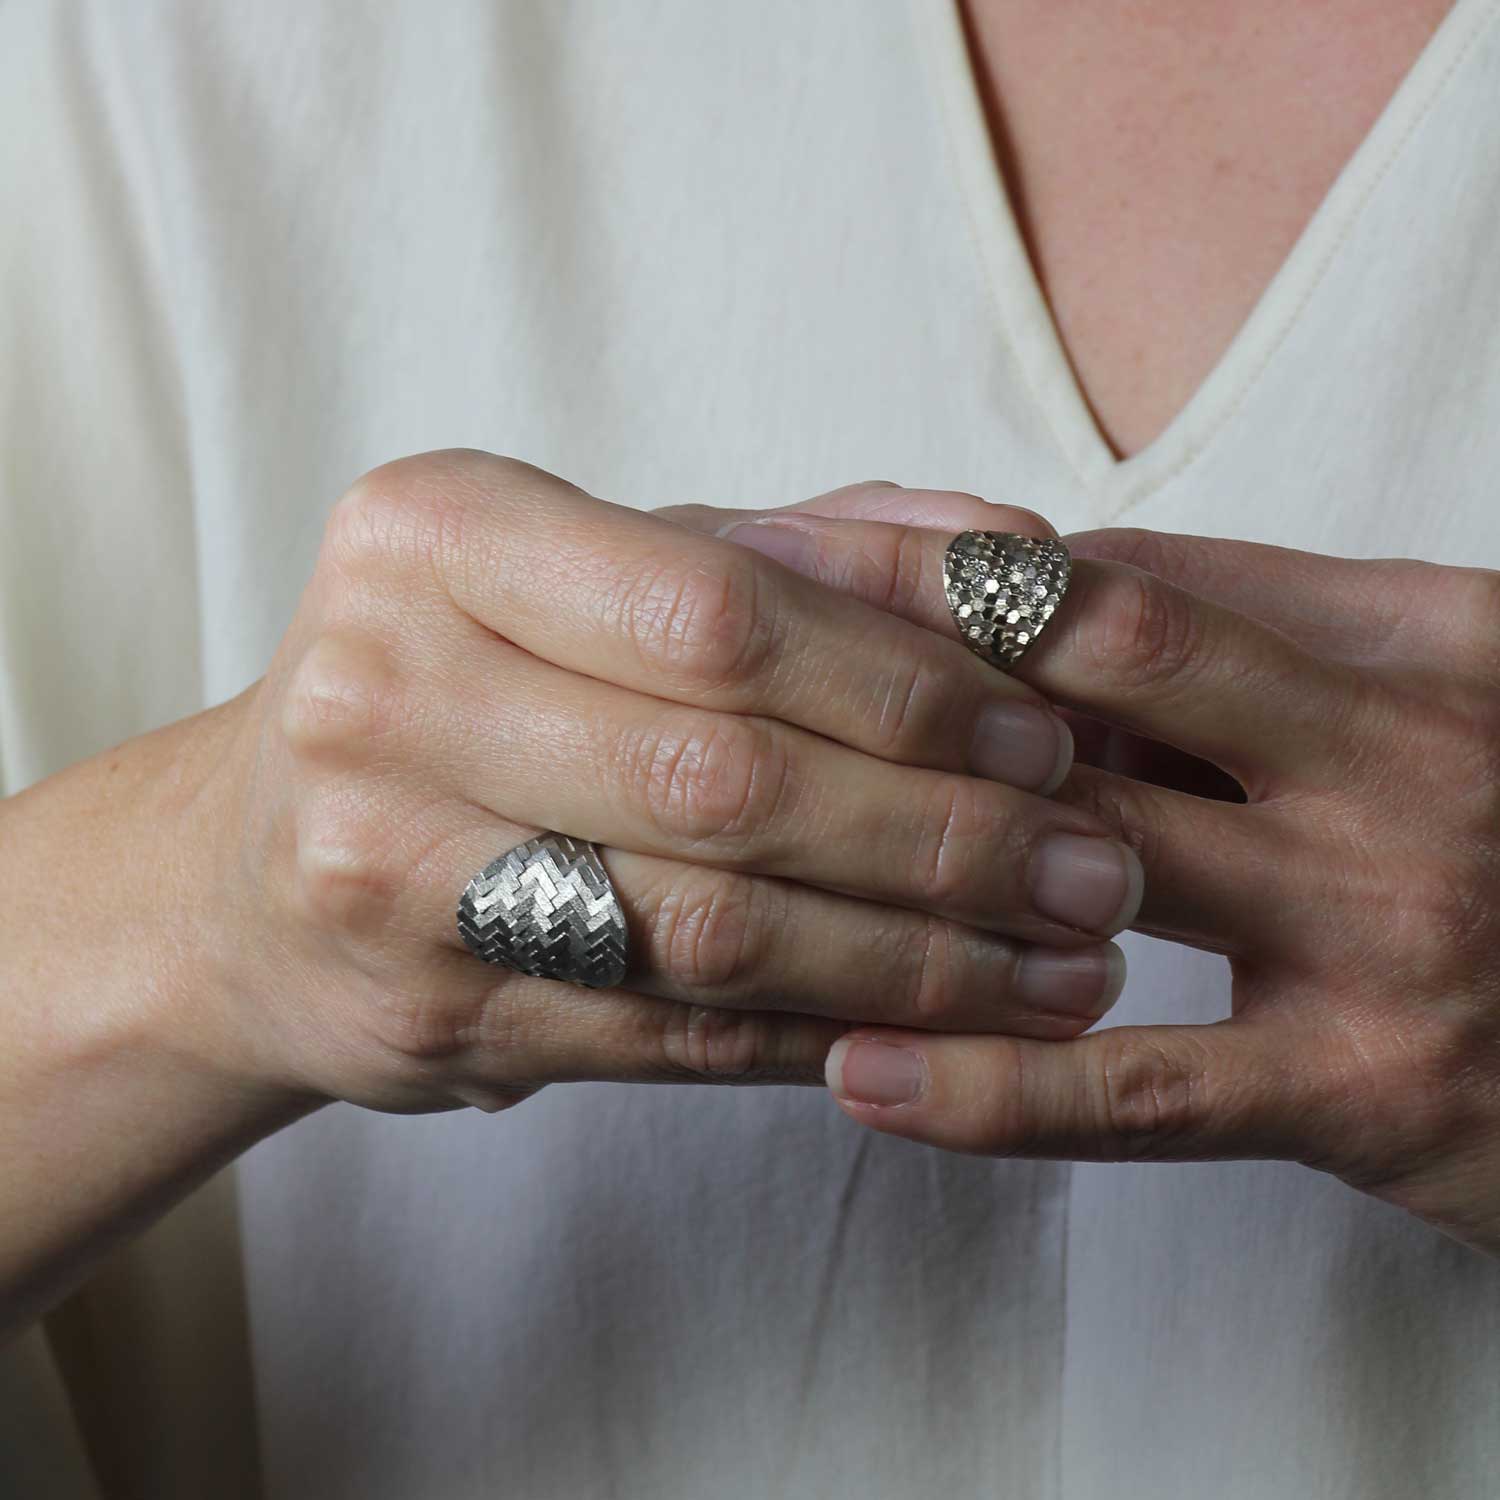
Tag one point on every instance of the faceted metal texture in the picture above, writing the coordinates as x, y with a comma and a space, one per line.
547, 908
1002, 589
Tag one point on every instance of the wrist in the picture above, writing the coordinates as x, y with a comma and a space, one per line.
212, 1005
126, 1077
114, 894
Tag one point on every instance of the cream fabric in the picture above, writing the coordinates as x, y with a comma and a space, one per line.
685, 251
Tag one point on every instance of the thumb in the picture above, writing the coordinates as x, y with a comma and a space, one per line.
877, 500
1225, 1090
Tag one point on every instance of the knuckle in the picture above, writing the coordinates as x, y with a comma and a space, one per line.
699, 517
349, 872
700, 627
413, 1024
403, 514
1480, 732
1148, 1101
1156, 552
1457, 741
712, 780
702, 1043
1147, 634
1444, 913
1122, 807
957, 833
907, 582
918, 706
713, 930
426, 1023
1478, 608
933, 967
1464, 904
343, 696
1405, 1092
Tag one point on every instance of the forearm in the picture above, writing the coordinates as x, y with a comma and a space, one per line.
122, 1087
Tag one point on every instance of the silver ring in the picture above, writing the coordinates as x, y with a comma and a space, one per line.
547, 908
1003, 588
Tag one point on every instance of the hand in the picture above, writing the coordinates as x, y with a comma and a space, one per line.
814, 812
1354, 885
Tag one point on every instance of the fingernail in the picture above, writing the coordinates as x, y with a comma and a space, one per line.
1076, 982
1044, 527
874, 1072
1023, 746
791, 545
1093, 884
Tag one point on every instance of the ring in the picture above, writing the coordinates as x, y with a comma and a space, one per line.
547, 908
1003, 588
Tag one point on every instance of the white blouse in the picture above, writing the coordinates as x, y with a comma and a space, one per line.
740, 254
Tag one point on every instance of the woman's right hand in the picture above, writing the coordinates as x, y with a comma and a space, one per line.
815, 813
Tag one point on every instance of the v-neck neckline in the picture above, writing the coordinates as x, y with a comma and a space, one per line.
1117, 483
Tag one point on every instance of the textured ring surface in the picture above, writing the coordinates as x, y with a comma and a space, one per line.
1003, 588
547, 908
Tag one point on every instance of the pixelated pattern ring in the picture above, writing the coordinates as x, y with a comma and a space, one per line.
547, 908
1003, 588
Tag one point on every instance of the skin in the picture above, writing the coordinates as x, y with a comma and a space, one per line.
144, 1054
337, 805
1353, 881
1162, 157
804, 804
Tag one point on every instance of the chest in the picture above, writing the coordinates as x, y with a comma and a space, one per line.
1162, 159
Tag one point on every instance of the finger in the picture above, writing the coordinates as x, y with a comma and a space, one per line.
1233, 1089
1124, 645
621, 595
518, 1034
1363, 611
877, 500
1200, 852
539, 745
387, 863
752, 795
1157, 660
1201, 856
1110, 748
612, 1036
732, 941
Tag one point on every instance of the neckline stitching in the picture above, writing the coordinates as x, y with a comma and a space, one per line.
950, 100
965, 164
1153, 484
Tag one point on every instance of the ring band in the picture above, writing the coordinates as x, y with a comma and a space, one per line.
1003, 588
547, 908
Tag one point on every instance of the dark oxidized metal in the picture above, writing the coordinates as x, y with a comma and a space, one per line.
547, 908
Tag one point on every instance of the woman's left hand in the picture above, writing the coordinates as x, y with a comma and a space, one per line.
1354, 886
